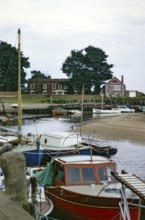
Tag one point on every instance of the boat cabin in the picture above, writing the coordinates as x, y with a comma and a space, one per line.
82, 170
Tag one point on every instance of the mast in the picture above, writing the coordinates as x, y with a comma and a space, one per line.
19, 87
82, 109
102, 100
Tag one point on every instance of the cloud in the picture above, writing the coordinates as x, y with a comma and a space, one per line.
51, 29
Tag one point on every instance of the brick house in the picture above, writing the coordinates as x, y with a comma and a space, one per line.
114, 87
47, 86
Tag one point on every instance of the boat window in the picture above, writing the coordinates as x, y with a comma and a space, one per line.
45, 140
73, 175
109, 169
102, 174
60, 175
88, 175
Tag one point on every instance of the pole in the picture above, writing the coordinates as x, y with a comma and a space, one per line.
19, 87
82, 109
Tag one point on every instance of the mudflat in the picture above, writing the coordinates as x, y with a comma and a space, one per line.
126, 127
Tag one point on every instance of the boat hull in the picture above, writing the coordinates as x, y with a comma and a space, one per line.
59, 112
107, 152
106, 111
33, 158
75, 206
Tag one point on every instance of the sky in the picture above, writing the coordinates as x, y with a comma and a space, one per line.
50, 29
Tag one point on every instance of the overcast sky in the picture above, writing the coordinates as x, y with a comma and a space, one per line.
52, 28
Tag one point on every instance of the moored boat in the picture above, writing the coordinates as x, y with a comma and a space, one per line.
42, 204
59, 111
74, 111
125, 109
65, 143
82, 188
106, 111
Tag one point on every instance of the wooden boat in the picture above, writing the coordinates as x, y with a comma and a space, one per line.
106, 111
65, 143
59, 111
82, 188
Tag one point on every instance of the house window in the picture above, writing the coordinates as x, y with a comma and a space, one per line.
53, 86
115, 88
65, 87
59, 86
32, 86
44, 86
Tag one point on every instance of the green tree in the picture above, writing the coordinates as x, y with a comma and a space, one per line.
37, 74
9, 67
89, 67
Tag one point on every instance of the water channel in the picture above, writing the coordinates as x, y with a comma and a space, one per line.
130, 157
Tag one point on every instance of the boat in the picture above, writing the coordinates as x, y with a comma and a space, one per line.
125, 109
68, 143
59, 111
61, 143
74, 111
106, 111
38, 201
31, 149
81, 187
36, 195
106, 151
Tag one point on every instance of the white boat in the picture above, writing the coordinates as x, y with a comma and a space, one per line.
74, 111
14, 105
125, 109
43, 205
65, 143
106, 111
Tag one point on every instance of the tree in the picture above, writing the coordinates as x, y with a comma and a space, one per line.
37, 74
9, 67
89, 67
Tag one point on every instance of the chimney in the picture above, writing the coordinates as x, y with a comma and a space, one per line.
122, 79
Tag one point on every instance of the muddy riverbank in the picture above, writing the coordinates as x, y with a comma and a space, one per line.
124, 127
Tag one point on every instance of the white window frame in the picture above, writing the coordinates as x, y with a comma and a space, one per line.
32, 86
44, 86
53, 86
59, 86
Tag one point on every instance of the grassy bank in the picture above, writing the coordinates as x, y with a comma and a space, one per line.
72, 99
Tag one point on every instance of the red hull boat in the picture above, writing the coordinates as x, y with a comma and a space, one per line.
82, 188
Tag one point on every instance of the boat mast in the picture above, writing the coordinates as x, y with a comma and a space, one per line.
19, 87
82, 109
102, 95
